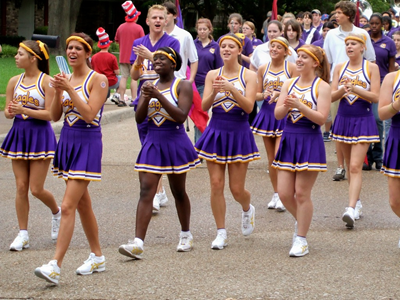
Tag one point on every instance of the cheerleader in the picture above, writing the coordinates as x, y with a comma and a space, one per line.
30, 144
78, 155
228, 141
305, 100
270, 80
356, 84
166, 148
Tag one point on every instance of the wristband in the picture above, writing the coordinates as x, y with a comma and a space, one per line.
137, 67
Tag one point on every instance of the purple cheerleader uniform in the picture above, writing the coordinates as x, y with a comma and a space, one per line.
302, 147
166, 149
354, 122
80, 148
29, 138
391, 160
264, 123
228, 138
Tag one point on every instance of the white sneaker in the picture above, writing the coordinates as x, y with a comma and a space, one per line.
163, 198
50, 272
156, 204
92, 264
348, 217
295, 233
398, 244
185, 242
299, 248
274, 200
20, 242
248, 220
279, 206
132, 249
358, 210
220, 242
55, 225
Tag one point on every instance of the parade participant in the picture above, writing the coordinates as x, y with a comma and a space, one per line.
385, 51
209, 58
166, 149
356, 84
30, 143
292, 33
220, 145
261, 54
270, 80
126, 34
142, 62
389, 107
249, 30
310, 34
316, 20
78, 155
305, 100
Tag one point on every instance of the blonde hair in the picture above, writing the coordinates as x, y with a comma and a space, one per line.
252, 26
157, 7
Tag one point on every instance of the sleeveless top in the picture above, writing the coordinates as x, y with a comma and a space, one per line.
224, 101
275, 79
308, 95
156, 112
395, 97
72, 116
31, 96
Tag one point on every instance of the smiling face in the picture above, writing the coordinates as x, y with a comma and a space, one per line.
229, 50
305, 62
273, 31
162, 64
277, 50
156, 20
76, 53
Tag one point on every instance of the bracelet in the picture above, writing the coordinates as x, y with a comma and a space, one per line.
393, 109
137, 67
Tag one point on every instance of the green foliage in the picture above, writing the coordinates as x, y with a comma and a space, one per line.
2, 102
11, 40
41, 30
379, 5
113, 48
8, 51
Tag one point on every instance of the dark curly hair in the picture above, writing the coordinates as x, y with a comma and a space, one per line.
174, 54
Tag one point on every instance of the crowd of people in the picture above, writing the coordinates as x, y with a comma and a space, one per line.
312, 71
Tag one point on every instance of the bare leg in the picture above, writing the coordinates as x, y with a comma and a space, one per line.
134, 87
21, 173
177, 183
237, 177
122, 87
286, 190
394, 194
271, 148
218, 204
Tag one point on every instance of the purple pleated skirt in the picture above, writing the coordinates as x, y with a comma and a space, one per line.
166, 150
78, 154
265, 124
227, 139
391, 159
301, 148
29, 139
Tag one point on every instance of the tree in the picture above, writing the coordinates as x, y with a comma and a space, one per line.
63, 15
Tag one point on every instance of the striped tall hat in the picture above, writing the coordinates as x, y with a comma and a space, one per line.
104, 39
131, 11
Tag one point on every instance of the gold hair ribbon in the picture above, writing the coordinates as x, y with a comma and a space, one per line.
309, 53
355, 38
166, 54
43, 49
79, 39
29, 50
283, 44
239, 40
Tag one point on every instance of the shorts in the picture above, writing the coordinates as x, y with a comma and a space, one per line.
125, 70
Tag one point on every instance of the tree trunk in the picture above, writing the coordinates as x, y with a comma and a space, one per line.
63, 15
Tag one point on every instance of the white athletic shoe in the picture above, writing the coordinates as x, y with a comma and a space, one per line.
156, 204
185, 242
248, 220
299, 248
279, 206
163, 198
274, 200
20, 242
358, 210
55, 225
348, 217
132, 249
92, 264
220, 242
50, 272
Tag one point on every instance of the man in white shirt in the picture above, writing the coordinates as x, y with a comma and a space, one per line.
335, 50
188, 50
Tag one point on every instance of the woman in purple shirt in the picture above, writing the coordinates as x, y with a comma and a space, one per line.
292, 33
249, 30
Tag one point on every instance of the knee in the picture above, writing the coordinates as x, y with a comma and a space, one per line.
354, 169
217, 186
36, 191
67, 209
302, 197
237, 191
394, 203
179, 195
22, 188
83, 207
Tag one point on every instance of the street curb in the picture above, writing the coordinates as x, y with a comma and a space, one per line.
108, 117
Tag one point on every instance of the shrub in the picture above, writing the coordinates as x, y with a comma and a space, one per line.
41, 30
8, 51
113, 48
11, 40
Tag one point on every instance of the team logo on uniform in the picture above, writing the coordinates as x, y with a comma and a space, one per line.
383, 46
212, 50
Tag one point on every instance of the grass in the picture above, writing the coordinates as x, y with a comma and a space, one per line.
8, 70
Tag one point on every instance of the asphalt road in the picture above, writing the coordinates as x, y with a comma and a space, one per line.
343, 264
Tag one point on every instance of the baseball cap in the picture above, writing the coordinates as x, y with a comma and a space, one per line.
325, 17
316, 11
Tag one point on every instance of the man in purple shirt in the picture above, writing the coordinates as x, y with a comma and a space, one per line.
310, 33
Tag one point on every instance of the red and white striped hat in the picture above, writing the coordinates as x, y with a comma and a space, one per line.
104, 39
131, 11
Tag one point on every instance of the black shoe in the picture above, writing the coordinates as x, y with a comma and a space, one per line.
367, 167
378, 165
121, 103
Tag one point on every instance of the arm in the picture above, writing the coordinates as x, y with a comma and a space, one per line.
337, 93
387, 109
372, 95
140, 53
260, 83
9, 96
246, 58
280, 109
41, 114
392, 67
193, 70
209, 92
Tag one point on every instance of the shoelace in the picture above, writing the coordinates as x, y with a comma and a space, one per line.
55, 226
246, 220
339, 171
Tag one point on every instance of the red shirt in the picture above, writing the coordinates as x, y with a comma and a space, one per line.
105, 63
126, 34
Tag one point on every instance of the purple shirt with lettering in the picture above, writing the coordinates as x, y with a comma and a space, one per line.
209, 59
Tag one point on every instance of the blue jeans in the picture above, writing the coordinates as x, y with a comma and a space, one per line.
197, 132
375, 150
